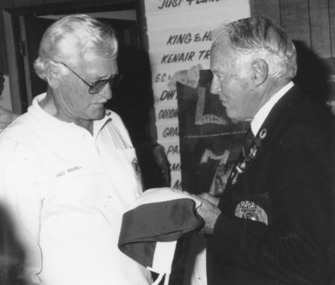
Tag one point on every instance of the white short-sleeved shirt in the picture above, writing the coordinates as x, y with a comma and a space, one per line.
67, 191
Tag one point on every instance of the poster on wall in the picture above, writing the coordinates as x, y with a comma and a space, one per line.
180, 35
210, 142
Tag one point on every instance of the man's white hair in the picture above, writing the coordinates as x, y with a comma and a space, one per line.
258, 37
73, 37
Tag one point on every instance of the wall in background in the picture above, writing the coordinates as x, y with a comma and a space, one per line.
311, 25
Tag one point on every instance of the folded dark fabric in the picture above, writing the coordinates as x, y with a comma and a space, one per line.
153, 224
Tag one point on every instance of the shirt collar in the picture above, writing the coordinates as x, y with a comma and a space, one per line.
263, 112
50, 122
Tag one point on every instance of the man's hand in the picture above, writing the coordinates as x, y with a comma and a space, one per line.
209, 211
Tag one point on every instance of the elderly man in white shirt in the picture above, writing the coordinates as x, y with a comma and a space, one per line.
68, 170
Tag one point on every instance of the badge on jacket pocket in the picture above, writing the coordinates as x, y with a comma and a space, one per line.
250, 210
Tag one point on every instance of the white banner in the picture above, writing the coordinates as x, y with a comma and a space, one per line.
172, 149
167, 130
159, 7
166, 113
174, 39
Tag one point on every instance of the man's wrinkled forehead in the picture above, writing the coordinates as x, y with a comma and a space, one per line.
103, 52
218, 50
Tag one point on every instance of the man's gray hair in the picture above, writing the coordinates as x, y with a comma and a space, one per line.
71, 38
258, 37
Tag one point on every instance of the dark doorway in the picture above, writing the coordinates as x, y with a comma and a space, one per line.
133, 98
35, 27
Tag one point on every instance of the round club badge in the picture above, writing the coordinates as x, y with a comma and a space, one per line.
250, 210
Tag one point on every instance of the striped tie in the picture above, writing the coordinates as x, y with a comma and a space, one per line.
248, 140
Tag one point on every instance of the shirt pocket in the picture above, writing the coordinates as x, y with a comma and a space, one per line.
79, 188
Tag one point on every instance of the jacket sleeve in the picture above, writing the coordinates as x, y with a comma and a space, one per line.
20, 199
293, 247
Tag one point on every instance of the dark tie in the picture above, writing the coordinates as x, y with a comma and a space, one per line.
248, 139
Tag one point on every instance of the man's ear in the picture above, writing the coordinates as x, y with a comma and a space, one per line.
52, 75
260, 71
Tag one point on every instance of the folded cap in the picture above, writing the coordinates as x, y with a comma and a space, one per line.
153, 224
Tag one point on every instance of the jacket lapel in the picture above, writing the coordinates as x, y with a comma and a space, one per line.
272, 124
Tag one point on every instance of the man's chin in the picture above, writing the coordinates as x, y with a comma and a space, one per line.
233, 117
230, 114
99, 114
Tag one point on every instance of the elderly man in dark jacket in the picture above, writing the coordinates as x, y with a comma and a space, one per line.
271, 226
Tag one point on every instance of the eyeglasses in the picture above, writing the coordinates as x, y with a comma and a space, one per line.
98, 85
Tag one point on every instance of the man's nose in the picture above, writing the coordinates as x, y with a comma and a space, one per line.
106, 92
215, 85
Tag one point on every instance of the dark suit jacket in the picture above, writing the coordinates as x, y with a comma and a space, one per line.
275, 220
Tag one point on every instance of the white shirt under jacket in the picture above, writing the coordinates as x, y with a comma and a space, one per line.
262, 114
67, 191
